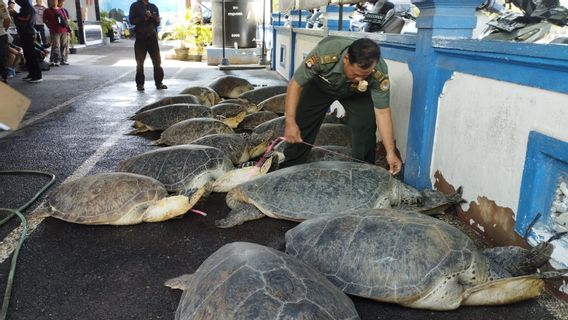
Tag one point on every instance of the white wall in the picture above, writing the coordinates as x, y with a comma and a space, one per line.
400, 97
482, 133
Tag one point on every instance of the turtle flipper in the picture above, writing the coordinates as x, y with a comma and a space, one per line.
504, 291
182, 282
519, 261
239, 215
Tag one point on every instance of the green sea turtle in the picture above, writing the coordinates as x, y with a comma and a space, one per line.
249, 106
181, 98
207, 96
163, 117
274, 104
239, 148
334, 134
260, 94
186, 131
184, 169
410, 259
330, 153
117, 198
253, 120
310, 190
244, 281
230, 86
229, 113
275, 125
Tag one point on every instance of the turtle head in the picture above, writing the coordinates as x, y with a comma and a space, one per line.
173, 206
241, 175
233, 121
259, 142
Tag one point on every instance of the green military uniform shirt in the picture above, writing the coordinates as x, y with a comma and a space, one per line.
324, 66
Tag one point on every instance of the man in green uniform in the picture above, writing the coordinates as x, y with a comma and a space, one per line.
352, 72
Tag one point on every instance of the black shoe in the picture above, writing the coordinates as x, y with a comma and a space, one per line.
140, 88
161, 86
35, 80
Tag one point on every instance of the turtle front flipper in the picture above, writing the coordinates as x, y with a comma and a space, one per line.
241, 214
182, 282
504, 291
519, 261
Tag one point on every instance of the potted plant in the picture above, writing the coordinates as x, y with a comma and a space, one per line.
200, 36
106, 24
73, 36
181, 33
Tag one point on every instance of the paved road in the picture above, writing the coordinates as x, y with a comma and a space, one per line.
76, 126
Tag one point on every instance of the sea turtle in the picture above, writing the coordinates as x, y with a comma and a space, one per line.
245, 281
260, 94
207, 96
230, 86
410, 259
310, 190
181, 98
275, 125
117, 198
334, 134
274, 104
330, 153
239, 148
249, 106
183, 169
254, 119
163, 117
186, 131
229, 113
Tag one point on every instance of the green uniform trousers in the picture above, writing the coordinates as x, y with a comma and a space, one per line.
310, 113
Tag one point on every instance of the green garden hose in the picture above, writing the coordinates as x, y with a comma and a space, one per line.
18, 213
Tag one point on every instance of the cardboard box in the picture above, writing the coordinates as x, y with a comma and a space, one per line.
13, 106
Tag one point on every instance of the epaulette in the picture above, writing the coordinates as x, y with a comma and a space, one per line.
379, 76
330, 58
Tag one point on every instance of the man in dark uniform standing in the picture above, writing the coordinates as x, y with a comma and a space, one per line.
146, 19
352, 72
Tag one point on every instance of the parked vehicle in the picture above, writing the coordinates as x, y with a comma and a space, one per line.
541, 21
383, 16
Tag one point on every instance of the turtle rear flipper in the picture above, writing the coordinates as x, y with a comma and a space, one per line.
504, 291
243, 213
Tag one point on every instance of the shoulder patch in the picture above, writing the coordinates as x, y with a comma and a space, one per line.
311, 61
330, 58
384, 85
379, 76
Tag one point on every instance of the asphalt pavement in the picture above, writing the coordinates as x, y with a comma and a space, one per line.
77, 126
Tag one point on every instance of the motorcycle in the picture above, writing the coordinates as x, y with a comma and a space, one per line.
382, 16
539, 21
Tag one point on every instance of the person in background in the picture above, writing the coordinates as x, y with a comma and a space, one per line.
51, 17
5, 19
39, 26
64, 45
353, 73
25, 21
11, 7
146, 19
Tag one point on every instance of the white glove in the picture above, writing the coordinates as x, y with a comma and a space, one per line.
337, 108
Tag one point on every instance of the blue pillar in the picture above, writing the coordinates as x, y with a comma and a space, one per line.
438, 18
